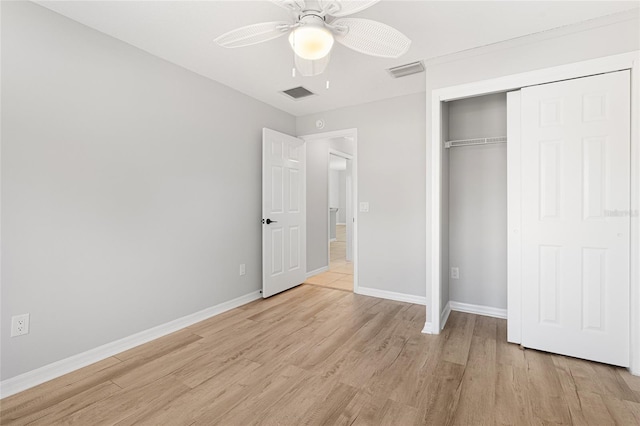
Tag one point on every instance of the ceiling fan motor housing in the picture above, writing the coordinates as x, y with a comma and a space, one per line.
312, 18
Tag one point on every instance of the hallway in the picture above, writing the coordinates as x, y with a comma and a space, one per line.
340, 274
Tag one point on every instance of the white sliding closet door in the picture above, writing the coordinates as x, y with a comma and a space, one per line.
575, 217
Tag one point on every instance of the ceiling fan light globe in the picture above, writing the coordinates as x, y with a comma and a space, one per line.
311, 42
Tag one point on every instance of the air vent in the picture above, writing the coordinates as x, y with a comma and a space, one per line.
298, 93
407, 69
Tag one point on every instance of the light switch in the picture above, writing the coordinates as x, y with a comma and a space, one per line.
364, 206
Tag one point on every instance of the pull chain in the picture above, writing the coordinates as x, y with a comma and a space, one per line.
293, 70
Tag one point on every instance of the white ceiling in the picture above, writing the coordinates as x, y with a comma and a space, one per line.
182, 32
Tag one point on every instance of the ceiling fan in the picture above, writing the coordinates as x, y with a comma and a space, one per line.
314, 28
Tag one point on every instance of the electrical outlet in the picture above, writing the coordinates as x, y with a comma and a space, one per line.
364, 206
243, 269
455, 272
19, 325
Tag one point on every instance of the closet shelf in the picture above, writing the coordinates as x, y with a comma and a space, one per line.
478, 141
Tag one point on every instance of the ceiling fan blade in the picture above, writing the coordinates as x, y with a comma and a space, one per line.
370, 37
309, 68
340, 8
293, 5
253, 34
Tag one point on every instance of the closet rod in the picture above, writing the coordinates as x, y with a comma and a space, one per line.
478, 141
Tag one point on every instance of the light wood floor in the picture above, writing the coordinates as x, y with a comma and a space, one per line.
340, 274
321, 356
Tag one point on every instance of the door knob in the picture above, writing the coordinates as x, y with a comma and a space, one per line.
269, 221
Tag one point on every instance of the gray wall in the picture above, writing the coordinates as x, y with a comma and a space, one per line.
334, 201
391, 172
131, 188
338, 193
597, 38
317, 204
334, 188
318, 197
342, 197
478, 202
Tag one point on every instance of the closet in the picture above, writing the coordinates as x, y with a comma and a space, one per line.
535, 213
475, 237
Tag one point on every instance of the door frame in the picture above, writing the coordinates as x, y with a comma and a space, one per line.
624, 61
353, 135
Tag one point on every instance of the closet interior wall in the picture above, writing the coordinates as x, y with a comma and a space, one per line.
477, 203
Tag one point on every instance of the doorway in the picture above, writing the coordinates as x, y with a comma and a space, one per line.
340, 232
331, 213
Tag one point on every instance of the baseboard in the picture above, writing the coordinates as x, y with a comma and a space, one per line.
444, 316
391, 295
487, 311
317, 271
59, 368
345, 224
333, 240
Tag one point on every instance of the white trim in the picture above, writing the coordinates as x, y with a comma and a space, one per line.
487, 311
634, 273
436, 188
611, 63
353, 135
338, 223
427, 328
341, 154
345, 133
59, 368
331, 240
514, 225
392, 295
445, 315
317, 271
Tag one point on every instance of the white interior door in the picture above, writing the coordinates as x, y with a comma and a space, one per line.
284, 241
575, 217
